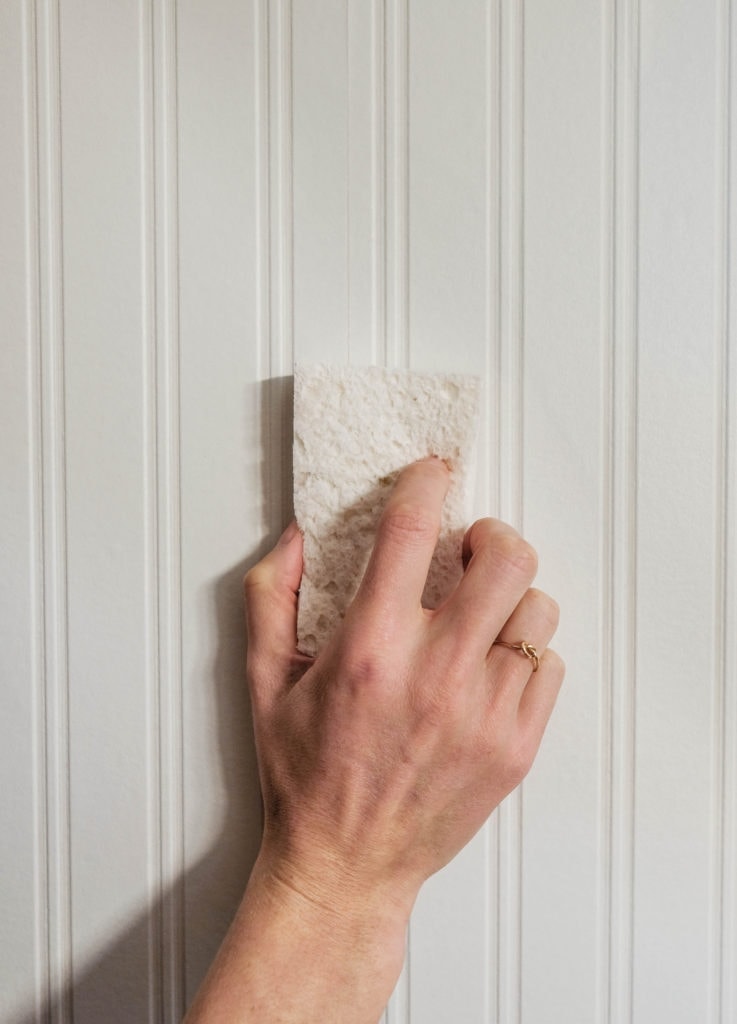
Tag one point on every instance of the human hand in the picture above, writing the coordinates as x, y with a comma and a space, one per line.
383, 756
379, 759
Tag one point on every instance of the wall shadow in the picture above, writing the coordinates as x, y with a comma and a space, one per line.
115, 987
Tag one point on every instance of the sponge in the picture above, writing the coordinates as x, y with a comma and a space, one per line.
355, 429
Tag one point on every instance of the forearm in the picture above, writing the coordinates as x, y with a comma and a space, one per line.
290, 959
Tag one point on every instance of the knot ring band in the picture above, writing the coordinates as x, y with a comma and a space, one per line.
527, 649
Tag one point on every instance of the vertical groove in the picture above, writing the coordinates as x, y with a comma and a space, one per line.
278, 323
351, 269
395, 244
492, 355
726, 908
263, 190
275, 228
402, 183
511, 466
162, 507
393, 306
281, 152
162, 503
265, 262
392, 309
511, 278
623, 568
717, 873
379, 353
54, 527
491, 449
168, 502
36, 554
151, 558
397, 157
607, 305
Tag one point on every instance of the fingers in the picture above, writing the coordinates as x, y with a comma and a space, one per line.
539, 696
499, 568
494, 600
405, 541
271, 588
534, 621
511, 671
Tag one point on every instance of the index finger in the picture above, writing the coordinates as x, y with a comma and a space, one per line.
406, 538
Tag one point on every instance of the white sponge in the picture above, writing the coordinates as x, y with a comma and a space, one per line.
354, 431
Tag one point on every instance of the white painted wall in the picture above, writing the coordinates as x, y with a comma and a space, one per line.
192, 195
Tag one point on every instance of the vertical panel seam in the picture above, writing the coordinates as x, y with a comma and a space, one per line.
404, 183
519, 469
493, 254
624, 398
152, 581
162, 499
263, 191
348, 179
282, 193
511, 384
397, 129
264, 230
394, 248
55, 546
520, 269
169, 543
35, 478
281, 333
725, 902
378, 181
608, 200
492, 432
718, 745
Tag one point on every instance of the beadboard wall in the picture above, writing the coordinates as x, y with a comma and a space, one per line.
195, 194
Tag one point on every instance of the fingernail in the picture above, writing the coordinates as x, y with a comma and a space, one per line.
436, 458
289, 534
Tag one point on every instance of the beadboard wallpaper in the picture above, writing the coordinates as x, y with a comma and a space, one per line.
192, 196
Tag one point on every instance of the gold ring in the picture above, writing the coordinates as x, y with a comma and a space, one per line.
527, 649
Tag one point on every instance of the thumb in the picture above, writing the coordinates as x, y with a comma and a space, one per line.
271, 588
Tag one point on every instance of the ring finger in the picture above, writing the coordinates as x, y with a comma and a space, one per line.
520, 646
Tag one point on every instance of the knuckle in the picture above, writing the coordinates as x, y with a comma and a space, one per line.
362, 668
408, 522
252, 579
512, 555
478, 538
481, 532
362, 671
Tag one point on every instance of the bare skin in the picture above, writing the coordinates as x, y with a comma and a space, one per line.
379, 759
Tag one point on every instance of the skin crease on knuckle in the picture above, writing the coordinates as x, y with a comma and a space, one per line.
408, 523
511, 556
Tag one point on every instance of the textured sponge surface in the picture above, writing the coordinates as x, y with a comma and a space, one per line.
355, 429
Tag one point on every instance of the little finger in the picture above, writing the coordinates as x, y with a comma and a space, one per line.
539, 697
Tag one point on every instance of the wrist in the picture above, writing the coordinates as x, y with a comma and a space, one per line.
294, 955
336, 904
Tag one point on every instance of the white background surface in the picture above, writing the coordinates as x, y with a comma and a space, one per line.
193, 195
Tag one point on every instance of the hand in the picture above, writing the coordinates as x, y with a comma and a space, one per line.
380, 759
